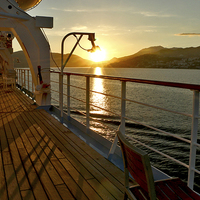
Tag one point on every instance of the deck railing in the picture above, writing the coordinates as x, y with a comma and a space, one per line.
65, 105
24, 81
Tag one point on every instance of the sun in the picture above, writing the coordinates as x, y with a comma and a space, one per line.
98, 55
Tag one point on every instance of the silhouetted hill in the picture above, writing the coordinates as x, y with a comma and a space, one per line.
74, 61
152, 57
160, 57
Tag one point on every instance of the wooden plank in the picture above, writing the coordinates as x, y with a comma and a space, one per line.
46, 142
86, 164
7, 128
108, 169
26, 102
31, 143
55, 177
13, 188
58, 164
64, 192
27, 195
3, 186
102, 191
27, 159
33, 178
78, 177
80, 180
19, 170
75, 190
22, 133
71, 154
46, 181
15, 132
6, 158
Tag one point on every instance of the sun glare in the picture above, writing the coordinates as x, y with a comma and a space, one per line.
98, 55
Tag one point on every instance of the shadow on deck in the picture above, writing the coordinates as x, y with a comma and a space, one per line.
42, 159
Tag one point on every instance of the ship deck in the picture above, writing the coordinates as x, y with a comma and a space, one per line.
42, 159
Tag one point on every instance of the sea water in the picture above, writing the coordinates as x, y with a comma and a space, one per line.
179, 100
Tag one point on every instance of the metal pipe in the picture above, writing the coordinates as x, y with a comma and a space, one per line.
194, 133
87, 103
91, 35
123, 106
68, 95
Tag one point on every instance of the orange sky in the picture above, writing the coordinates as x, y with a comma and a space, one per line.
122, 27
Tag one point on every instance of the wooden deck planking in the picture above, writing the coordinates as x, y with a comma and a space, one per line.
42, 159
95, 169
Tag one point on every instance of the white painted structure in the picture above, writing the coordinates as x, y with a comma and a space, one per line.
27, 30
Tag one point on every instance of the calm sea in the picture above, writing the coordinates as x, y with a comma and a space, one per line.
169, 98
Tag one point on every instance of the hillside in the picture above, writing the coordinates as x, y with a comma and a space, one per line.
152, 57
75, 61
160, 57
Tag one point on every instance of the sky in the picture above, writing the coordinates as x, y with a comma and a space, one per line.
122, 27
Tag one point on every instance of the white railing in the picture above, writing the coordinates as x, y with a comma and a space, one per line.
68, 90
24, 80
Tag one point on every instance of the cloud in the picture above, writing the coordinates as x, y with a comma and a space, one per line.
79, 28
93, 10
154, 14
188, 34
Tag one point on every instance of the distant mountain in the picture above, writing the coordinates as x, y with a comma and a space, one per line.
152, 57
160, 57
74, 61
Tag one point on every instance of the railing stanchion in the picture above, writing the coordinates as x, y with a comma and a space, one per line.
20, 78
87, 103
194, 133
24, 78
123, 114
61, 95
68, 95
28, 79
123, 106
32, 87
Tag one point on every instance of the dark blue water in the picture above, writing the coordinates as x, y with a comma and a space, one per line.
169, 98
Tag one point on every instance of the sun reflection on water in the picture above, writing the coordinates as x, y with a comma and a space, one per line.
97, 98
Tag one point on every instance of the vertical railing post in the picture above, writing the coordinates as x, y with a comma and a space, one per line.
123, 106
20, 77
87, 103
32, 85
194, 133
68, 95
17, 74
61, 95
24, 78
28, 79
122, 124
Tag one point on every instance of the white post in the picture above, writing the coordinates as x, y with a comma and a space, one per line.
32, 86
20, 75
87, 103
194, 133
61, 95
24, 78
122, 125
28, 79
68, 95
123, 107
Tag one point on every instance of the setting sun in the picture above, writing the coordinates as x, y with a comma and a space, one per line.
98, 55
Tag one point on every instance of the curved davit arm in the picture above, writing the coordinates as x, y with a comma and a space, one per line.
27, 31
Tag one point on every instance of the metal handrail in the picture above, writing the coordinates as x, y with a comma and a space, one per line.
151, 82
195, 88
